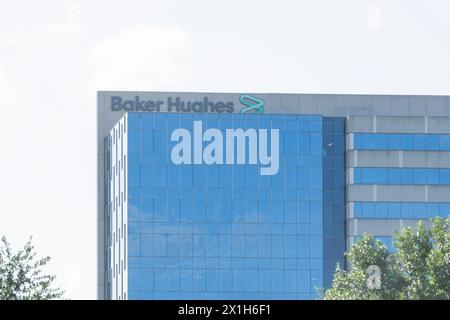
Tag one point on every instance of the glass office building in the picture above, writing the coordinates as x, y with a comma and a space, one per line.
230, 196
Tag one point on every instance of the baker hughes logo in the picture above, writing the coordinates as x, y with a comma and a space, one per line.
172, 104
252, 104
238, 146
176, 104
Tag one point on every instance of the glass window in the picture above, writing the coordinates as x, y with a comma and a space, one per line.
251, 176
357, 141
134, 175
420, 142
357, 175
394, 142
225, 280
290, 142
277, 277
159, 175
238, 176
316, 144
432, 210
368, 176
432, 142
173, 210
146, 209
380, 175
199, 210
264, 211
291, 177
380, 141
277, 246
420, 176
368, 210
212, 210
290, 246
226, 231
212, 245
238, 211
186, 210
304, 280
251, 211
381, 210
159, 245
303, 144
394, 209
377, 141
420, 210
277, 210
251, 246
264, 246
173, 245
186, 276
444, 176
407, 176
394, 176
432, 176
225, 178
134, 245
444, 142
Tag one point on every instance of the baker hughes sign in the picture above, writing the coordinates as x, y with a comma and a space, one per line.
249, 104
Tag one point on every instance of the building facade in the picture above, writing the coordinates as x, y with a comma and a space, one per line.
257, 196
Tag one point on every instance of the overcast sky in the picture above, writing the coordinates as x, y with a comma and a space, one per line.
54, 56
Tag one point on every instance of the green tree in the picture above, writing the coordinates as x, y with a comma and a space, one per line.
418, 269
21, 275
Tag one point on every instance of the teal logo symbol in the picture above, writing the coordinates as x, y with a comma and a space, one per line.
253, 104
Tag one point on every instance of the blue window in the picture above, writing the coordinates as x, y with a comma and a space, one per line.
367, 141
394, 176
392, 141
226, 231
407, 142
433, 176
367, 176
420, 142
420, 176
381, 142
407, 176
444, 176
380, 175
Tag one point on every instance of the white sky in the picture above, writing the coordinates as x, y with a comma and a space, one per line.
55, 54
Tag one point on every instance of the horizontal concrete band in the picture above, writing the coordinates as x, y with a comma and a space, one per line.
398, 159
398, 193
378, 227
398, 124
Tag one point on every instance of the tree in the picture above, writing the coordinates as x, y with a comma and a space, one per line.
21, 275
418, 269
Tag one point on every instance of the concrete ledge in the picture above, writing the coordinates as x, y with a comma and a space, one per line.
378, 227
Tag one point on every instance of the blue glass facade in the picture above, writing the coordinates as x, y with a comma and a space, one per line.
404, 141
400, 210
198, 231
333, 195
419, 146
418, 176
205, 228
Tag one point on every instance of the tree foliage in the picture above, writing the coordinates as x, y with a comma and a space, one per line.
418, 269
21, 275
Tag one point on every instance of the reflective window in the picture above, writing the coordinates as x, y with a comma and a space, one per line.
400, 210
394, 141
422, 176
225, 231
